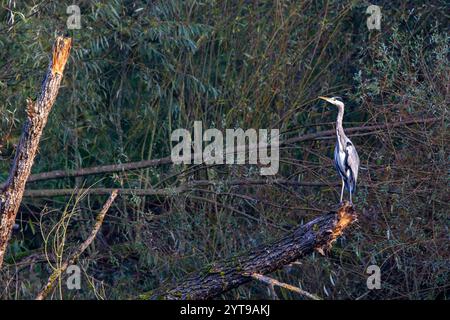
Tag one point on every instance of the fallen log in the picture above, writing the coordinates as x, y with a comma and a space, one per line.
37, 115
215, 279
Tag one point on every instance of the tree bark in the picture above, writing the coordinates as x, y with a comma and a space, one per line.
37, 115
318, 234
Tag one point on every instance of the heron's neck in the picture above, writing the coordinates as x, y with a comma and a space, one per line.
339, 129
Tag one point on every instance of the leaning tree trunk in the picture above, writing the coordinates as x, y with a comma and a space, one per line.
37, 115
214, 280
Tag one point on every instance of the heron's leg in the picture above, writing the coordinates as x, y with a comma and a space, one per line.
351, 202
342, 190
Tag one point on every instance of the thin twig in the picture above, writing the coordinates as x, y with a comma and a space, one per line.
57, 273
272, 282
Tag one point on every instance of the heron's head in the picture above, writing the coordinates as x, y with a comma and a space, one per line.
337, 101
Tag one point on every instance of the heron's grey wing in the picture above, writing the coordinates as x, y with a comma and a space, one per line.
338, 162
352, 160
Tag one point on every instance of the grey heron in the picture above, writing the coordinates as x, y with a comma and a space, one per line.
346, 159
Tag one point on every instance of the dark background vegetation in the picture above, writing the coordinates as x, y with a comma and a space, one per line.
136, 75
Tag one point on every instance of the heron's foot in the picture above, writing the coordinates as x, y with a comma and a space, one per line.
345, 203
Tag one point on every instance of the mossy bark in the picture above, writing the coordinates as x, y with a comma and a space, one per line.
318, 234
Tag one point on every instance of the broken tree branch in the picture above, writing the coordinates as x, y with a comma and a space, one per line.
58, 272
37, 115
318, 234
60, 174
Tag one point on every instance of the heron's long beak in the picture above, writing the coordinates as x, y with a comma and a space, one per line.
325, 98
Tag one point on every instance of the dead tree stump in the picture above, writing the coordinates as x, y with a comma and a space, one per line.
37, 115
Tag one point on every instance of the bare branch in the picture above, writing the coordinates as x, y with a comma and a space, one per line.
43, 193
183, 188
272, 282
